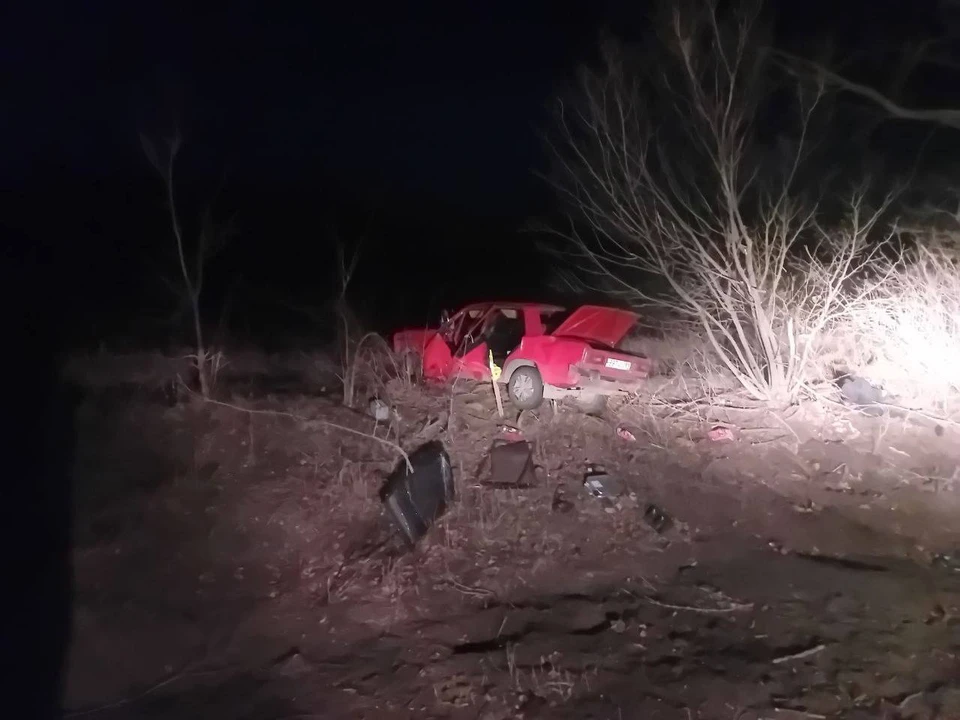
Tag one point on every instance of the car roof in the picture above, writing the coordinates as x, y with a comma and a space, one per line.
508, 305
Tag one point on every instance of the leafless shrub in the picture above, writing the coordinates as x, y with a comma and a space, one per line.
367, 362
369, 365
209, 242
740, 254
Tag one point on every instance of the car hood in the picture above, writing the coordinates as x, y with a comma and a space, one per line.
594, 323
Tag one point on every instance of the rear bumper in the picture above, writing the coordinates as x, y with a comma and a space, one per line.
588, 384
590, 387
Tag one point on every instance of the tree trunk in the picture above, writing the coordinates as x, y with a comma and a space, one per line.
202, 367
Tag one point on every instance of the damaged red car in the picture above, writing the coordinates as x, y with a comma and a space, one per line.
542, 351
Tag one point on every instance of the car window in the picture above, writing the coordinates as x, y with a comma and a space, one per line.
551, 321
476, 321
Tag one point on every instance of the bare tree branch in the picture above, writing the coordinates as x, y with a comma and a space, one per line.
947, 117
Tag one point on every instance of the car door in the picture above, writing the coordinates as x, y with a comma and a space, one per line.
471, 355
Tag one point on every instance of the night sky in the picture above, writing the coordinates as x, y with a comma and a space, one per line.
441, 102
412, 125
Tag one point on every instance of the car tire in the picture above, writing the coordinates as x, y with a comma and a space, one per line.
592, 404
525, 388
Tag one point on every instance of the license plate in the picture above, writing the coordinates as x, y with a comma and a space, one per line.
617, 364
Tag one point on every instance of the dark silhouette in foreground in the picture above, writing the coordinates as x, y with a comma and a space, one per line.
35, 629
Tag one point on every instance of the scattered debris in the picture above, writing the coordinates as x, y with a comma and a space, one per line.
511, 465
861, 393
947, 561
418, 492
510, 433
560, 503
721, 433
601, 484
625, 434
657, 519
381, 411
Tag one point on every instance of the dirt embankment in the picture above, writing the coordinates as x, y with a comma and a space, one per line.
236, 565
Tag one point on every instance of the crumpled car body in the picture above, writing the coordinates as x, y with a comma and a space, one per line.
569, 350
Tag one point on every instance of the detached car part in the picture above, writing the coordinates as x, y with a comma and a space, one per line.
415, 499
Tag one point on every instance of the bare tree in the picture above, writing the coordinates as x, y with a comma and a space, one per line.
659, 166
210, 240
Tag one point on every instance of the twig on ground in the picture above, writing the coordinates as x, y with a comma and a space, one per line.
733, 607
472, 590
800, 655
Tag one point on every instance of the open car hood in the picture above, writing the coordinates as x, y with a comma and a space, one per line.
594, 323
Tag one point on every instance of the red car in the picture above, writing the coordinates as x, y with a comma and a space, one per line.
542, 351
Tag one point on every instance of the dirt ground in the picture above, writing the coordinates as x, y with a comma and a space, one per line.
237, 565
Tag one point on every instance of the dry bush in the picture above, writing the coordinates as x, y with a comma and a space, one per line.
905, 334
741, 255
368, 365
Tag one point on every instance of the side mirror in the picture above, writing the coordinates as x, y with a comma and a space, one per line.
444, 317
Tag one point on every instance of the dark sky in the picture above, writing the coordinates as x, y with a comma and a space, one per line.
441, 97
424, 105
446, 98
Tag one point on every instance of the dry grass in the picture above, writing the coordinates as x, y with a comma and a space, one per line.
902, 334
368, 367
905, 335
687, 367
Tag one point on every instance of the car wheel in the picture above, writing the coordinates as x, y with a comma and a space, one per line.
526, 388
592, 404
